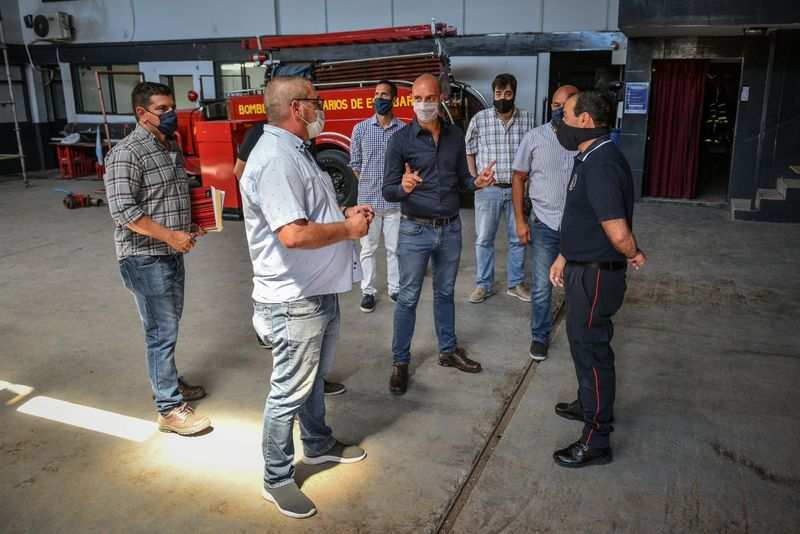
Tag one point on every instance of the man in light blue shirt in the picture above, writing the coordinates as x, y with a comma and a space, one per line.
546, 165
301, 246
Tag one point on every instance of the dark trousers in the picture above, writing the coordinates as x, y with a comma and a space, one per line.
593, 296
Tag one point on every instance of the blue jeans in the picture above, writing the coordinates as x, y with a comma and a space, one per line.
490, 203
417, 244
545, 246
157, 286
303, 334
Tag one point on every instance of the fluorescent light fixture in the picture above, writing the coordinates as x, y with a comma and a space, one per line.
110, 423
755, 32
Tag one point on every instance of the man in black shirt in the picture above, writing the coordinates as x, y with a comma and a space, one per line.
597, 245
425, 168
251, 137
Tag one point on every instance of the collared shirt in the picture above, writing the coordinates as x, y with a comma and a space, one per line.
490, 139
442, 167
367, 155
282, 183
548, 165
600, 189
144, 177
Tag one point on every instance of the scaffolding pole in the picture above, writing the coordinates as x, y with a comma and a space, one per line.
20, 155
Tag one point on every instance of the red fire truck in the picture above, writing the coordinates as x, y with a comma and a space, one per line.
210, 134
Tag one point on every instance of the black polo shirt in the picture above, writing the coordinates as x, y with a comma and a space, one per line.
251, 137
600, 189
442, 167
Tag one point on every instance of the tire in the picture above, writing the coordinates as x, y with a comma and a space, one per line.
337, 164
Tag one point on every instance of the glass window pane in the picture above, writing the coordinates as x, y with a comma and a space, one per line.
123, 87
125, 68
59, 107
255, 75
87, 85
231, 77
19, 100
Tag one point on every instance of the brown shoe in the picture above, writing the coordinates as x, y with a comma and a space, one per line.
189, 392
182, 420
459, 360
398, 384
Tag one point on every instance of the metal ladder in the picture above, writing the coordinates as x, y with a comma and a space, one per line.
20, 155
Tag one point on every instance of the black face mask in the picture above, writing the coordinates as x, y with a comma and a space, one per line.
571, 137
503, 106
168, 122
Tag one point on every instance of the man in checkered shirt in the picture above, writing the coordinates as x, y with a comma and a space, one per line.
367, 151
148, 196
494, 135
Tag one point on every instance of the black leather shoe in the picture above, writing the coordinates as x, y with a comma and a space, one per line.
398, 384
570, 410
459, 360
579, 455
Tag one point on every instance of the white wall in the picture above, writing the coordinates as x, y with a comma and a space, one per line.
98, 21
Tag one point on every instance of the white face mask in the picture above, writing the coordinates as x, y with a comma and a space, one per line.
315, 127
426, 111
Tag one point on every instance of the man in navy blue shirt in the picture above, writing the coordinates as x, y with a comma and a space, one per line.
425, 170
597, 245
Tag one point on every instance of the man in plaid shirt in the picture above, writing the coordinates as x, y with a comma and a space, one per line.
494, 135
148, 196
367, 152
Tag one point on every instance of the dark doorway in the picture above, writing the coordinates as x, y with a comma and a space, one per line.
716, 136
584, 70
690, 129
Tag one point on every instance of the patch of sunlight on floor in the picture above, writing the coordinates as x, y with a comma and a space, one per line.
20, 390
114, 424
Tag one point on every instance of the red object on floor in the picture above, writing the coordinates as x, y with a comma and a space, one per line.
74, 162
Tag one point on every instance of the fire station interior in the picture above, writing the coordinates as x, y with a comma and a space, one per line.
705, 351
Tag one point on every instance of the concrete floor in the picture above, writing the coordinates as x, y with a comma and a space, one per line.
708, 362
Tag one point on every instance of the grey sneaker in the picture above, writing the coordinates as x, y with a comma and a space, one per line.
538, 351
339, 453
290, 501
520, 292
478, 295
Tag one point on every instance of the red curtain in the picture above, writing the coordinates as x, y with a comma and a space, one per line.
674, 134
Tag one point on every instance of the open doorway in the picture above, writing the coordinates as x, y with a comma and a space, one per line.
590, 70
716, 133
690, 129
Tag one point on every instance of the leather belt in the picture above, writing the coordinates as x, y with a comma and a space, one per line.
441, 221
602, 265
502, 186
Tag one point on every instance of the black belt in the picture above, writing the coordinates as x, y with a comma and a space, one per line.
502, 186
602, 265
441, 221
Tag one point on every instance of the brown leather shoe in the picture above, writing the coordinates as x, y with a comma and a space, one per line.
459, 360
398, 384
189, 392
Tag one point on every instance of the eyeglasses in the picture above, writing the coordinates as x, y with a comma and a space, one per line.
318, 101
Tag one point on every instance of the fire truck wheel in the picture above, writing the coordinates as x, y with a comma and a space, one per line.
337, 164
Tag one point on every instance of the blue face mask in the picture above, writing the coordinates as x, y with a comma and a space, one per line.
167, 122
382, 106
558, 114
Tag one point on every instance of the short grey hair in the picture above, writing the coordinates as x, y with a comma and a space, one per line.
280, 92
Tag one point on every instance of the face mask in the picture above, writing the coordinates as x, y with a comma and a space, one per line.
168, 122
503, 106
316, 126
426, 111
558, 114
571, 137
382, 105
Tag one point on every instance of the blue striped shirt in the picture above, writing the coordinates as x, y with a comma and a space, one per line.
367, 155
549, 166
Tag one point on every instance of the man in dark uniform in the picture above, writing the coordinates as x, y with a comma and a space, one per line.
597, 245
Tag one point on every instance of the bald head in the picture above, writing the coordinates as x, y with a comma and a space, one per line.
280, 93
427, 87
561, 96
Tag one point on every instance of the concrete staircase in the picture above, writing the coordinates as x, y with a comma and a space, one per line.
781, 204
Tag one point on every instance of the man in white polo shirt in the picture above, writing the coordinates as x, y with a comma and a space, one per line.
301, 246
